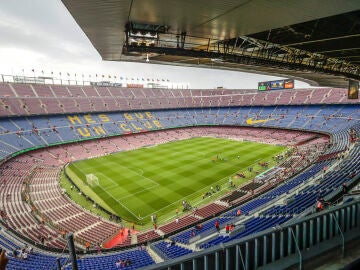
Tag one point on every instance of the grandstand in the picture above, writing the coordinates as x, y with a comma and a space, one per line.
278, 217
37, 145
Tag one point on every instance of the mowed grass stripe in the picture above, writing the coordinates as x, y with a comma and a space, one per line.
156, 179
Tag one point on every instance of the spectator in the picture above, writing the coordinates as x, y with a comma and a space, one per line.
98, 249
344, 188
15, 253
87, 246
24, 254
217, 225
319, 205
20, 253
118, 264
29, 250
238, 212
3, 260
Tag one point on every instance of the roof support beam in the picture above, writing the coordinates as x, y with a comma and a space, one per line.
321, 40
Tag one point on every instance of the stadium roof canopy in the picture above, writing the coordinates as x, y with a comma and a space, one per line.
315, 41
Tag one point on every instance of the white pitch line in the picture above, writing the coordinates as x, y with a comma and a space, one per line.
132, 194
182, 199
156, 183
206, 187
131, 212
112, 186
117, 185
122, 198
119, 200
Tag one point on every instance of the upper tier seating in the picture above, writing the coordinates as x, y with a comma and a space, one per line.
25, 99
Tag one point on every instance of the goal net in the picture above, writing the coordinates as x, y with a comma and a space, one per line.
92, 180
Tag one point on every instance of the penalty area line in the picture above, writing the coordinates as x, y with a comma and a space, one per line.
140, 191
110, 187
138, 174
131, 212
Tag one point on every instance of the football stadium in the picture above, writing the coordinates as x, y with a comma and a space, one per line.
105, 173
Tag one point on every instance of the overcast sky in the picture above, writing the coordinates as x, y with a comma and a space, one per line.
42, 35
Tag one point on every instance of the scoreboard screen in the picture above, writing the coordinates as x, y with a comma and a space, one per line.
276, 85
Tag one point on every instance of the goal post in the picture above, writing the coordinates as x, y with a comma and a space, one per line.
92, 180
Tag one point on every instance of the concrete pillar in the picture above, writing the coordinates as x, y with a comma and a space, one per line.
318, 228
282, 244
305, 233
227, 259
311, 242
217, 261
265, 240
273, 247
324, 230
353, 216
289, 241
247, 255
194, 264
256, 254
297, 234
331, 226
206, 262
348, 219
237, 257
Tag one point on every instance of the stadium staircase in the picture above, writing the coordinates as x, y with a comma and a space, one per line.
223, 203
160, 232
156, 257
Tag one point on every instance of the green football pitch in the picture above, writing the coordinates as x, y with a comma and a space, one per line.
136, 184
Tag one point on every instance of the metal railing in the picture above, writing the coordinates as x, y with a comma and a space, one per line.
281, 246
